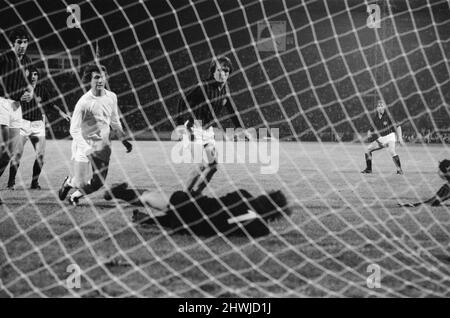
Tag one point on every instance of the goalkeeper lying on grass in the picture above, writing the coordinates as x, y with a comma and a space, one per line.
443, 193
236, 214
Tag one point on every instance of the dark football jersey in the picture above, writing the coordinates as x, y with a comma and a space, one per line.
442, 195
205, 216
34, 109
383, 125
206, 103
13, 75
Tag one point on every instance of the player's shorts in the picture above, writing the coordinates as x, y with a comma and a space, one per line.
384, 141
100, 151
9, 116
35, 128
80, 151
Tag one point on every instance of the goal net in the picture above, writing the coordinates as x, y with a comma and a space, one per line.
307, 76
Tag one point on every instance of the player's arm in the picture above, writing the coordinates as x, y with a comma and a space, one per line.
48, 97
61, 113
442, 195
117, 126
372, 134
27, 94
185, 118
75, 124
186, 104
237, 121
398, 131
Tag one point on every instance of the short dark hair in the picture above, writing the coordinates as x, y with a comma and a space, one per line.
444, 167
221, 60
32, 69
271, 206
91, 68
18, 33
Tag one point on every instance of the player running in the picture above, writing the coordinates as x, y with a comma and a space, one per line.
33, 128
200, 111
236, 214
92, 117
14, 88
384, 134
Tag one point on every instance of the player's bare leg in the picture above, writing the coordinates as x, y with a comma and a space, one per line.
4, 155
99, 173
395, 157
374, 146
39, 148
81, 173
204, 172
15, 161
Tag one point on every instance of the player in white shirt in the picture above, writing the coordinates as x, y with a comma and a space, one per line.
92, 117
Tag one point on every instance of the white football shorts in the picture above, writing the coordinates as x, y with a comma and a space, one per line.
80, 151
385, 140
35, 128
10, 115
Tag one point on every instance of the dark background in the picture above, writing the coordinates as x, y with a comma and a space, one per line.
325, 83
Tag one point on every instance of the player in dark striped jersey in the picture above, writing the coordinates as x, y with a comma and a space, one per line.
235, 214
200, 111
14, 89
33, 128
384, 134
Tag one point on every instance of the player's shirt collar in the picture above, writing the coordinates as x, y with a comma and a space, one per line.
213, 83
12, 55
95, 96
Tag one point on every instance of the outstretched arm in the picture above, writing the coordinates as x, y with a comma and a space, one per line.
442, 195
75, 124
117, 126
233, 111
61, 113
400, 135
186, 104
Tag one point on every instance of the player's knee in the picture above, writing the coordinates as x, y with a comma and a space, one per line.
15, 160
78, 183
3, 148
40, 159
211, 153
213, 165
198, 168
392, 152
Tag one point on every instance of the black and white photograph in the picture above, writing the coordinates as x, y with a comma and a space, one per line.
235, 150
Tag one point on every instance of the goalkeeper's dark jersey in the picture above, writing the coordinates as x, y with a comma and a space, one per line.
206, 103
442, 195
230, 215
383, 126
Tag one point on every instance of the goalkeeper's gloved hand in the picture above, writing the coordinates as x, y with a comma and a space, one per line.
127, 145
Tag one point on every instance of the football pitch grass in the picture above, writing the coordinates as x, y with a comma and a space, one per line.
344, 224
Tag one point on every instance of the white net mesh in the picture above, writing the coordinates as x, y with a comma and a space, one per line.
314, 70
